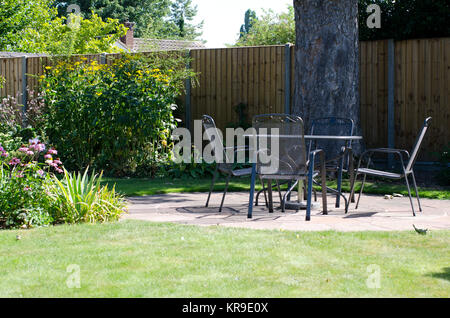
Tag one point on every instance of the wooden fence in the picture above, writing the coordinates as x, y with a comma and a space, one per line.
416, 72
257, 78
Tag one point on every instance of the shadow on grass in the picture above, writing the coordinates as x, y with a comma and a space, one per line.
445, 274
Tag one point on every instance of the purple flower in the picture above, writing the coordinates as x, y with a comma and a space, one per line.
34, 141
29, 152
4, 154
41, 172
23, 149
14, 161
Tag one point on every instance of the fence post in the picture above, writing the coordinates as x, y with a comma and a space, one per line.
287, 78
24, 90
187, 102
391, 100
103, 58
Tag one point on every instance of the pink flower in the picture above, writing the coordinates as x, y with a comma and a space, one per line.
27, 188
57, 161
52, 151
41, 172
29, 152
48, 157
14, 161
59, 170
4, 154
23, 149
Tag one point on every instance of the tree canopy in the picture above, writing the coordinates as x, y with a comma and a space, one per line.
33, 26
270, 29
152, 18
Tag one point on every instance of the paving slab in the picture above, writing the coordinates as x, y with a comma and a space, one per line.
375, 213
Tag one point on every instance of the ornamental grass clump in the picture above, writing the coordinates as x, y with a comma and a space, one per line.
81, 198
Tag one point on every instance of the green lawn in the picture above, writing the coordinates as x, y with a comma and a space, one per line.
139, 187
141, 259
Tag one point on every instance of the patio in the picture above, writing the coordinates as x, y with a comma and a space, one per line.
374, 214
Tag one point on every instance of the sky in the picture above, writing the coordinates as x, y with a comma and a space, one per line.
223, 18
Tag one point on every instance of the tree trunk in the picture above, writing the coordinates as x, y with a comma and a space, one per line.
327, 60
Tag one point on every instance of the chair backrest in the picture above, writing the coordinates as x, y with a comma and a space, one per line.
331, 126
415, 151
211, 132
291, 159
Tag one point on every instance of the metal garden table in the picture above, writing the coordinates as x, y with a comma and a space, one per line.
294, 205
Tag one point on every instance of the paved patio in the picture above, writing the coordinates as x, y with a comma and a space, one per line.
374, 214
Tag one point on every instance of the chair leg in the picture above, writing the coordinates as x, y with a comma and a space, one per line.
339, 183
224, 193
324, 190
279, 191
287, 195
352, 190
409, 193
309, 197
212, 186
360, 192
351, 169
269, 190
252, 192
417, 191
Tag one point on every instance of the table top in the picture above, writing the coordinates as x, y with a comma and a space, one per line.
310, 137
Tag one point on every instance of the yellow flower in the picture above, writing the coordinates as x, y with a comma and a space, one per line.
98, 93
48, 67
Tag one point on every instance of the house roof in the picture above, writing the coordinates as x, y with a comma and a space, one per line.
146, 44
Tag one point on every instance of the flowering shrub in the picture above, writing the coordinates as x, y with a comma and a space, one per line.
12, 118
25, 184
32, 195
116, 117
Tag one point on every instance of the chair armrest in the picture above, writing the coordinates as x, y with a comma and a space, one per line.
371, 152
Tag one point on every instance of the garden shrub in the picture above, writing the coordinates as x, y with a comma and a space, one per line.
18, 126
118, 117
25, 182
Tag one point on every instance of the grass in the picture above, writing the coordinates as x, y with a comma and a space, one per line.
142, 259
140, 187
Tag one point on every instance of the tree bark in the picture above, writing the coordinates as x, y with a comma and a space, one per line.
327, 60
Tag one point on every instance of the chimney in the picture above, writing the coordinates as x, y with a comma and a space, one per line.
128, 38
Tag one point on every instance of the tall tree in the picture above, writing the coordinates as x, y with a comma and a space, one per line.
182, 14
147, 14
249, 19
270, 29
326, 56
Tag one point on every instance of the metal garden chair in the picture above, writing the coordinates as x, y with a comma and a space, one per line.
407, 169
291, 163
226, 166
338, 154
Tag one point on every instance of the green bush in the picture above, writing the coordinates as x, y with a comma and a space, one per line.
81, 198
118, 117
